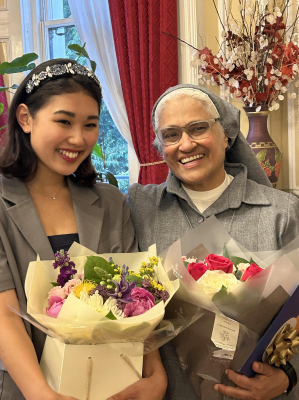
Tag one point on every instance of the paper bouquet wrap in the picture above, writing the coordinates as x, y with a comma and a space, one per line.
231, 323
88, 355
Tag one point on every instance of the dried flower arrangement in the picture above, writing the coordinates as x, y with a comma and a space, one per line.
258, 59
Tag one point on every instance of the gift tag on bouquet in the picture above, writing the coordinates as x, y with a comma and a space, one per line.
90, 372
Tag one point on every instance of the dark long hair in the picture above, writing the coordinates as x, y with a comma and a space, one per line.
18, 159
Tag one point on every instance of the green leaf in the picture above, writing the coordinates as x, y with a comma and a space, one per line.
93, 65
186, 263
19, 64
110, 178
54, 284
238, 260
219, 295
110, 315
97, 268
225, 252
1, 108
239, 274
97, 151
131, 278
5, 88
261, 155
3, 127
79, 50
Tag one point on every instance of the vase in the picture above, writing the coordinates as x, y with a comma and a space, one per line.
265, 149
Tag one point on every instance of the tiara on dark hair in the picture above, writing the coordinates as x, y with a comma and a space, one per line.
58, 70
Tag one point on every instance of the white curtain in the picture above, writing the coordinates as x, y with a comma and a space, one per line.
93, 23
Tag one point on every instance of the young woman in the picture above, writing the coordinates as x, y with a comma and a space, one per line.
49, 198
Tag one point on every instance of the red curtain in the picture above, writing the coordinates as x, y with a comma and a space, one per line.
148, 65
3, 116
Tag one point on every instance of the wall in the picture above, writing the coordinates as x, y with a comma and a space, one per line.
11, 38
208, 30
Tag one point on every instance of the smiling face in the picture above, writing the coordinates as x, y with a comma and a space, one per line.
63, 132
198, 164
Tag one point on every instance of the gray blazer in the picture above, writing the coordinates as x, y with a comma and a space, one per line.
104, 226
257, 216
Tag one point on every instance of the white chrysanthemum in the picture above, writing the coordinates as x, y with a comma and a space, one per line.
112, 304
95, 301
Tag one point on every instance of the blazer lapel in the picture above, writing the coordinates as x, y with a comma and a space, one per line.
24, 214
89, 216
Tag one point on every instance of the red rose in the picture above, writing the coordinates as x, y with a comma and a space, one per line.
219, 263
196, 270
252, 270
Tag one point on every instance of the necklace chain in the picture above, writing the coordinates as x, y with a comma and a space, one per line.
45, 195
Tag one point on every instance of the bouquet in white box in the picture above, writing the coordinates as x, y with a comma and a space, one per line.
239, 293
113, 301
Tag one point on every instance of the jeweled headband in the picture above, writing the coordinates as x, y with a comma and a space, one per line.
58, 70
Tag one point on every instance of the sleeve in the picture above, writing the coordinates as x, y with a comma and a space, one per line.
129, 239
291, 230
6, 279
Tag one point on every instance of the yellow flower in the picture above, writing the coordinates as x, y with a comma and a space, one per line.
157, 285
117, 278
154, 260
88, 285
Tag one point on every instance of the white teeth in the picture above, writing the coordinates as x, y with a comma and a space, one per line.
68, 153
188, 159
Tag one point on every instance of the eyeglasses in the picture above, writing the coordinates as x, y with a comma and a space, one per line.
197, 130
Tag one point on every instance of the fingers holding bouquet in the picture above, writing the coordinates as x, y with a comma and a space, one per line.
268, 383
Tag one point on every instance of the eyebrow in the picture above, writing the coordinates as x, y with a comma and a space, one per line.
73, 115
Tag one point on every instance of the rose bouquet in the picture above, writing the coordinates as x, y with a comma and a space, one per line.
239, 295
219, 275
98, 316
258, 60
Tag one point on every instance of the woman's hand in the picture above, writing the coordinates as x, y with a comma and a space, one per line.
269, 383
154, 384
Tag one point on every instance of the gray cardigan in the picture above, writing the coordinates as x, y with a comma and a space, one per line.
104, 226
257, 216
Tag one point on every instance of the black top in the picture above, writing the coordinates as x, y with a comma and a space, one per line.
63, 242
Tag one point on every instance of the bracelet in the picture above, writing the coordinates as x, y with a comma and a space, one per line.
290, 372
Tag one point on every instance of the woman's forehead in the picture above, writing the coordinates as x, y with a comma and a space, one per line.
183, 110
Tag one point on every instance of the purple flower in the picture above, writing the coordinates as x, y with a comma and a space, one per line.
123, 290
142, 302
146, 283
62, 260
103, 291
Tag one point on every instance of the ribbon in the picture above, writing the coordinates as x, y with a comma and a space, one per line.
284, 346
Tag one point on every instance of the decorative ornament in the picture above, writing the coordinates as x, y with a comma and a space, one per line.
58, 70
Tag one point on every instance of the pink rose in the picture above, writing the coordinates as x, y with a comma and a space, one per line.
57, 291
143, 301
219, 263
252, 270
196, 270
69, 286
55, 304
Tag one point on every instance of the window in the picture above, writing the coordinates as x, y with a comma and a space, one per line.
57, 32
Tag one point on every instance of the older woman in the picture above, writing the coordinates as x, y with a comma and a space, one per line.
213, 171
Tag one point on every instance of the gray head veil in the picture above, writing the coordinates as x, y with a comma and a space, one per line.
239, 150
